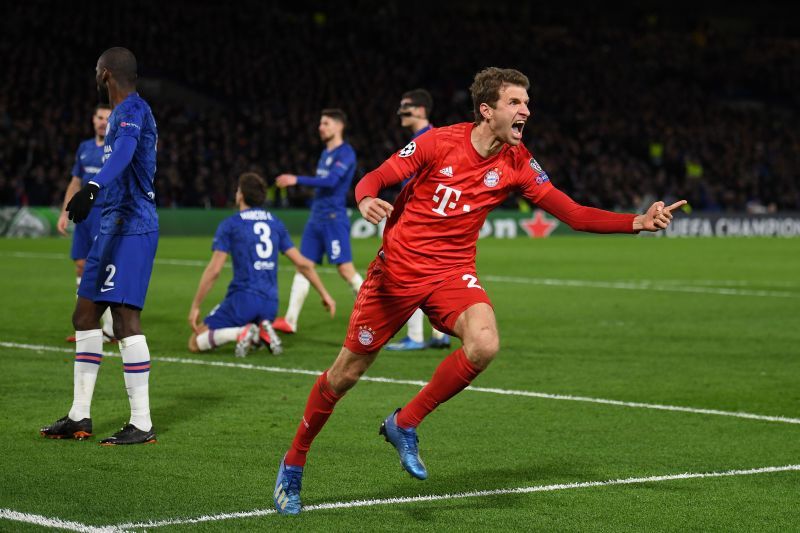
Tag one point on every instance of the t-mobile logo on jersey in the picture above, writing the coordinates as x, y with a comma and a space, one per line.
444, 201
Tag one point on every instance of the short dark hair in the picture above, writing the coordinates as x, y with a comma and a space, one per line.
98, 107
121, 62
485, 89
336, 114
254, 189
422, 98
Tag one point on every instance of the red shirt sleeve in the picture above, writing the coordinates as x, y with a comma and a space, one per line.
582, 218
410, 160
536, 187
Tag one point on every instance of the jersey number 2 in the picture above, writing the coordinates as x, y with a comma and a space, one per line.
472, 281
263, 248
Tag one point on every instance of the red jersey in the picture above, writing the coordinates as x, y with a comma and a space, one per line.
434, 227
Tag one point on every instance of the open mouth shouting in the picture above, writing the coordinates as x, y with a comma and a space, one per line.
516, 128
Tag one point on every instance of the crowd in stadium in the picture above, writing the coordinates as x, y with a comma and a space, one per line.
621, 105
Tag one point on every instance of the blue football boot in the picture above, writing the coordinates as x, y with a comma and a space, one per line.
287, 489
405, 442
404, 345
440, 343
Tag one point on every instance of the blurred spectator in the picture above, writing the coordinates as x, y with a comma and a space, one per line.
624, 103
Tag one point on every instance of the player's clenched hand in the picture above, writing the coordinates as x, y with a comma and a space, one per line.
374, 209
286, 180
657, 217
329, 304
81, 203
194, 319
61, 225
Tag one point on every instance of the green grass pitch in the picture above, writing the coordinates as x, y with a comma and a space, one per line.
703, 324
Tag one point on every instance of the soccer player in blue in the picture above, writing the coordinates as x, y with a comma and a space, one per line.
415, 112
88, 161
327, 232
252, 237
120, 261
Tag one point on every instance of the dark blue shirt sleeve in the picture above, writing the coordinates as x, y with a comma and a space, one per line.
129, 122
222, 239
340, 167
120, 158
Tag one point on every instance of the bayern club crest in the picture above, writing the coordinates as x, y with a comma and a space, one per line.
536, 166
366, 335
491, 178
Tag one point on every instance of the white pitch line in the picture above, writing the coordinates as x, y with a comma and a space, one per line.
690, 286
472, 494
56, 523
489, 390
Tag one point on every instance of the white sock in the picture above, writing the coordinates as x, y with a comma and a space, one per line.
203, 340
136, 365
77, 285
210, 339
297, 298
88, 355
415, 326
436, 334
355, 283
108, 323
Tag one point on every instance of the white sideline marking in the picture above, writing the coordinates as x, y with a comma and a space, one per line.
691, 286
57, 523
376, 379
472, 494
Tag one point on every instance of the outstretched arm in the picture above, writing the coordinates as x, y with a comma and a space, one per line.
210, 275
306, 268
583, 218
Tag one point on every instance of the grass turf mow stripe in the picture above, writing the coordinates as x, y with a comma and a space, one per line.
636, 285
488, 390
460, 495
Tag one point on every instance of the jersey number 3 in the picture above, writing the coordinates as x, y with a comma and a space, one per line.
263, 248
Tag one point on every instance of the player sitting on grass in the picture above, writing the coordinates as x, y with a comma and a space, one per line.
427, 260
253, 238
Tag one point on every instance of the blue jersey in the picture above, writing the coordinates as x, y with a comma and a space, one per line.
130, 199
88, 161
335, 171
253, 238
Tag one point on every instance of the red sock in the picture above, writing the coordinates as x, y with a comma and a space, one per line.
318, 408
451, 377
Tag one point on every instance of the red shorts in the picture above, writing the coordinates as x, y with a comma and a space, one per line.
383, 305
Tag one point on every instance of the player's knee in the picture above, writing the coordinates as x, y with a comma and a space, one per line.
482, 347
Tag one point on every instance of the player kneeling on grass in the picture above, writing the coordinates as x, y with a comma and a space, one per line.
253, 238
428, 261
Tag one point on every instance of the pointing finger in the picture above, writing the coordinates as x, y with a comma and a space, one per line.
677, 204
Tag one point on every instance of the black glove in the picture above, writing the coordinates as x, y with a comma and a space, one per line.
81, 203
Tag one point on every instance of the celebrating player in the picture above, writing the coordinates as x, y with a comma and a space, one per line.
327, 231
253, 237
88, 161
428, 260
414, 112
120, 261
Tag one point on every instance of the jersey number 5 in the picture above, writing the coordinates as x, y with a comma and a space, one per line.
263, 248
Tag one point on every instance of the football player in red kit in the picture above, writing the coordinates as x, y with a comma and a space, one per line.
428, 260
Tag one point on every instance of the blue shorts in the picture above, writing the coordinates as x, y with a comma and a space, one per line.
242, 308
85, 233
328, 238
118, 268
